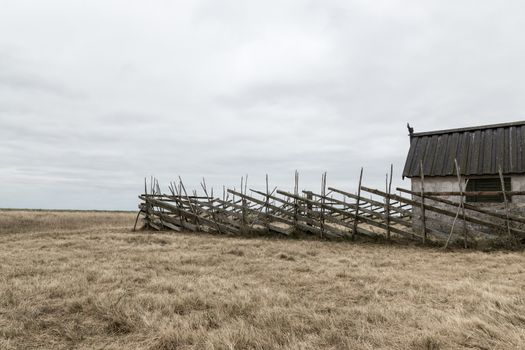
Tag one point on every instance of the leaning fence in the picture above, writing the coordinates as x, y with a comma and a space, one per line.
332, 213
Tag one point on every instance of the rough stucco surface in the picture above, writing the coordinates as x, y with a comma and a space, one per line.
518, 184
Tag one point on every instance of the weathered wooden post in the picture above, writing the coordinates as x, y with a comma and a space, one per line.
356, 216
295, 202
461, 206
423, 219
309, 206
505, 200
461, 202
213, 211
179, 203
244, 218
147, 218
387, 208
323, 202
197, 223
266, 208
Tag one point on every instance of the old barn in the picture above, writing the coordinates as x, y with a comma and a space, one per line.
480, 153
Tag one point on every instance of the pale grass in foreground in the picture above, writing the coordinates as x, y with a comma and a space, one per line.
85, 281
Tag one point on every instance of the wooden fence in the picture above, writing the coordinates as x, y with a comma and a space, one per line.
330, 213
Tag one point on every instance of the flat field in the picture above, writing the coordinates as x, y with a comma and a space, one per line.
84, 280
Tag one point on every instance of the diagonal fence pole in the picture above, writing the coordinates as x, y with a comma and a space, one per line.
461, 205
423, 219
387, 208
505, 200
356, 215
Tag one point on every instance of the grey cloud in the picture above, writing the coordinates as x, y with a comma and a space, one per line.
25, 76
32, 82
107, 92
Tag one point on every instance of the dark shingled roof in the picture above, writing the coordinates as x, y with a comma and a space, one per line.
479, 151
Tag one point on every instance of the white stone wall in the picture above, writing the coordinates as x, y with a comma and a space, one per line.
518, 184
441, 184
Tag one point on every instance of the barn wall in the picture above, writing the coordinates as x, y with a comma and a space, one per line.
518, 184
435, 220
450, 183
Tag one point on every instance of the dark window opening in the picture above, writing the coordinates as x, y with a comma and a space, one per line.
487, 184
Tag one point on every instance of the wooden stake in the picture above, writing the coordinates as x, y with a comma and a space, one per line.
243, 212
461, 202
387, 209
295, 203
189, 203
179, 194
323, 202
265, 205
266, 202
147, 218
356, 216
461, 205
158, 192
309, 206
136, 220
423, 219
506, 205
210, 201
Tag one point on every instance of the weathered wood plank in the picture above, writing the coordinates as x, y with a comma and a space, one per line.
447, 212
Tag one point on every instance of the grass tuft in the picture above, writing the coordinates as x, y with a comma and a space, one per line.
236, 252
287, 257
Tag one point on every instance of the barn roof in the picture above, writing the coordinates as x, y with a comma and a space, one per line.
479, 150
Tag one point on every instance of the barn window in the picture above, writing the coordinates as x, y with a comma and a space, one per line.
487, 184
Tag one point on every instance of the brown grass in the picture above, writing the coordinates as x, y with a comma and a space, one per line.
85, 281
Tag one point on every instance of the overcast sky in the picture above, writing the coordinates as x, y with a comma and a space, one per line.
96, 95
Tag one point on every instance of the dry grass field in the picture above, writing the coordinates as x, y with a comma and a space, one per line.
85, 281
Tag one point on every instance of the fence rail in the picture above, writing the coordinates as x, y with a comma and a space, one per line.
331, 214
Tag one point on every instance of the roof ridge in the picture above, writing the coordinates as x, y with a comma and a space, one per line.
471, 128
